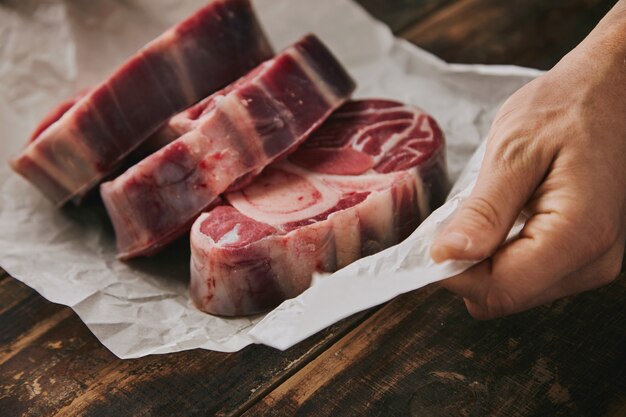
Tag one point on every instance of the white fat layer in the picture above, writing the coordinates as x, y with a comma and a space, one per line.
377, 213
319, 83
365, 182
232, 236
347, 235
242, 120
422, 199
374, 110
395, 138
182, 70
236, 109
370, 181
65, 171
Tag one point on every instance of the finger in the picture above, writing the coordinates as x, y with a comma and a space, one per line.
525, 272
510, 173
597, 274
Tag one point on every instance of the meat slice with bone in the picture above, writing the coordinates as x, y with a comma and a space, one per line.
84, 140
227, 139
361, 183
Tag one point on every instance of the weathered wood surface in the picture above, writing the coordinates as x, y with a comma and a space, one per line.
419, 355
51, 363
430, 358
535, 33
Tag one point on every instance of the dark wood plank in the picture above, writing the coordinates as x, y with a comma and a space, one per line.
12, 292
52, 370
428, 357
534, 33
401, 14
58, 366
26, 316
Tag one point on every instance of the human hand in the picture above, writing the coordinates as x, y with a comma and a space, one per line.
557, 150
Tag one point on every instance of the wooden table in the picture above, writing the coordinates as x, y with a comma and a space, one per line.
420, 354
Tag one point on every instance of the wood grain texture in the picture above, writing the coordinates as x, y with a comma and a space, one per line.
428, 357
535, 33
11, 293
401, 14
21, 316
51, 364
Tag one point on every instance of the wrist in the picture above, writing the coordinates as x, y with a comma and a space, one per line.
595, 71
607, 42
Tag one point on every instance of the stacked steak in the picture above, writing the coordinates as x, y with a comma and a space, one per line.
92, 136
277, 175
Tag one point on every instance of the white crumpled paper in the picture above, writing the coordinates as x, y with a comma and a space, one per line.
50, 49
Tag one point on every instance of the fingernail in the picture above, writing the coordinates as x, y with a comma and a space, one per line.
454, 240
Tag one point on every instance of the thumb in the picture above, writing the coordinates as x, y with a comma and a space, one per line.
509, 174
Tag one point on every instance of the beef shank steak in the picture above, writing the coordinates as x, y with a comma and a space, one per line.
361, 183
83, 140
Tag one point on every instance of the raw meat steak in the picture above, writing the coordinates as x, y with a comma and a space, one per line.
83, 140
362, 182
230, 137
